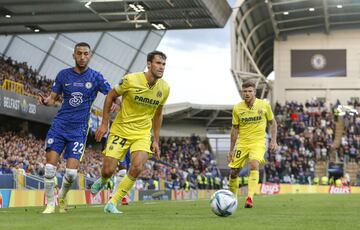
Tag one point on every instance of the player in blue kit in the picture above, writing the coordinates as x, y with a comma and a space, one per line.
79, 86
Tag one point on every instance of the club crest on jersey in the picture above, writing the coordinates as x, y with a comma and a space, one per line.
76, 100
260, 112
50, 141
88, 85
159, 94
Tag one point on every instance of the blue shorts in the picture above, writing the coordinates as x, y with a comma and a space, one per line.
61, 137
126, 162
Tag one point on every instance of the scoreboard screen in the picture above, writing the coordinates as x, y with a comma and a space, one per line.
318, 63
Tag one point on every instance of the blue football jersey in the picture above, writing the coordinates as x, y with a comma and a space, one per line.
79, 92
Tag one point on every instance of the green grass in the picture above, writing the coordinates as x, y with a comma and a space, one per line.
305, 212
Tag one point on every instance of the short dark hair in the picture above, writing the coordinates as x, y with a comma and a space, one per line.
248, 84
152, 54
82, 44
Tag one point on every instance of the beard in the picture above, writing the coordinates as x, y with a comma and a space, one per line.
81, 66
157, 75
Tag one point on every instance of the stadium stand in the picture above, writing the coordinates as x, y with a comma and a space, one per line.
348, 148
193, 161
305, 137
26, 153
183, 160
306, 134
310, 135
29, 82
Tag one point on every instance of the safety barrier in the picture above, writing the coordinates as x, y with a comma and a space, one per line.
21, 198
13, 86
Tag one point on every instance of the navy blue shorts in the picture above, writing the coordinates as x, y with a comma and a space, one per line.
71, 140
126, 162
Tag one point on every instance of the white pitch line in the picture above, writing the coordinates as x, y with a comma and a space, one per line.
85, 206
151, 203
5, 211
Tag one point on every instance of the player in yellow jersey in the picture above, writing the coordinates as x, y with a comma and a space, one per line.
249, 121
143, 96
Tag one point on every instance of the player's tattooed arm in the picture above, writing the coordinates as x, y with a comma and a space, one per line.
50, 100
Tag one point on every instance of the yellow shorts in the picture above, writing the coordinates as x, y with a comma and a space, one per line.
117, 146
248, 152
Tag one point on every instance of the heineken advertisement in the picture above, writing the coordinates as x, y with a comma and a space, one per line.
24, 107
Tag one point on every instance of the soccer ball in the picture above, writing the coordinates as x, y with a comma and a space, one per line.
223, 203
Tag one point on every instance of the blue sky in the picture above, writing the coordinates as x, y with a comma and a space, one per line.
198, 66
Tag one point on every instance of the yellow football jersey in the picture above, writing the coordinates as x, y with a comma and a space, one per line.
138, 106
252, 121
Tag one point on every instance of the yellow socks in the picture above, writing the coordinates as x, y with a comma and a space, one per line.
125, 185
234, 185
253, 183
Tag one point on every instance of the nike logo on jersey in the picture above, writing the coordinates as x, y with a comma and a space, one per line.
67, 84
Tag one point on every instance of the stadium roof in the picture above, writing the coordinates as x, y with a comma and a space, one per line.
209, 115
29, 16
260, 22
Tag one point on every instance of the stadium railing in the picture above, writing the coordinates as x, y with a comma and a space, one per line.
16, 87
33, 182
13, 86
7, 181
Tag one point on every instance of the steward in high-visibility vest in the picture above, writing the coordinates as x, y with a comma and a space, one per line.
316, 180
217, 182
324, 180
187, 186
200, 182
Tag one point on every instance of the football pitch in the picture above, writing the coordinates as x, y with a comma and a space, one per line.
305, 212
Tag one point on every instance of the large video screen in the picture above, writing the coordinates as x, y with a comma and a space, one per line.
318, 63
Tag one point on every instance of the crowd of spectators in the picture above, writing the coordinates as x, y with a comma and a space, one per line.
20, 72
26, 154
349, 149
19, 153
185, 162
305, 136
